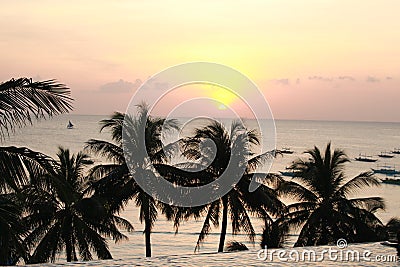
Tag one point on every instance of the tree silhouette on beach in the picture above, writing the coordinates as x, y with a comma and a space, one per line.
233, 147
325, 212
65, 217
21, 101
145, 148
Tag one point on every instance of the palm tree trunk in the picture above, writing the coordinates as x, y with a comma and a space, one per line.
147, 240
74, 253
224, 224
68, 250
147, 230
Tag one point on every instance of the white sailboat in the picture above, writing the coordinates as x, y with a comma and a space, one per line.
70, 125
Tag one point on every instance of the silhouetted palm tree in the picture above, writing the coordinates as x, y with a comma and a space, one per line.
64, 216
325, 211
274, 234
145, 148
22, 100
392, 228
12, 230
232, 148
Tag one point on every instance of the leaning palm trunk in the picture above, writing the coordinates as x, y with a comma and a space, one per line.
223, 225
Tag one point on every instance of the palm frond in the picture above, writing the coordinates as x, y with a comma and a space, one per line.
22, 100
235, 246
371, 204
20, 166
106, 149
365, 179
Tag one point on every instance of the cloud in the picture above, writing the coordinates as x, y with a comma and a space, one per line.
389, 78
36, 77
283, 81
320, 78
348, 78
371, 79
120, 86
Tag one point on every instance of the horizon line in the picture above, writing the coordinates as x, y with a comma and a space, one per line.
276, 119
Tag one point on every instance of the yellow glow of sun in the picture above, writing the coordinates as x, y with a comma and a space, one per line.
224, 96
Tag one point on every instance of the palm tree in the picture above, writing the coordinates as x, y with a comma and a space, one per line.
116, 182
324, 211
393, 228
12, 230
63, 215
274, 234
233, 148
21, 100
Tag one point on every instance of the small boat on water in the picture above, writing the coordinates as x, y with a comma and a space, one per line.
286, 150
287, 173
385, 155
365, 158
395, 181
396, 151
70, 125
386, 169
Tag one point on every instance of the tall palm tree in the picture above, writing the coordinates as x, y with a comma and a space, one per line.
324, 211
63, 215
116, 182
21, 100
233, 147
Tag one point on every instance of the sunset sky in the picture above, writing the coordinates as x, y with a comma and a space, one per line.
325, 60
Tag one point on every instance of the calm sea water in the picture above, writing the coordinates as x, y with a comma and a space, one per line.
355, 137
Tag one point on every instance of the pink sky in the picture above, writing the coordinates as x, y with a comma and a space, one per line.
319, 59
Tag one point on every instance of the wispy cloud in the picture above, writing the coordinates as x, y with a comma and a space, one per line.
346, 78
120, 86
320, 78
284, 81
371, 79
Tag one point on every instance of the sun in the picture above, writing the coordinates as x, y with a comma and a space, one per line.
224, 96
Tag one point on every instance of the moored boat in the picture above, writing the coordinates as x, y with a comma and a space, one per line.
396, 151
286, 150
395, 181
287, 173
365, 158
385, 155
386, 169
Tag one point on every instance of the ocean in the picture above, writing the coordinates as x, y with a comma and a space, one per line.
369, 138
